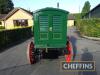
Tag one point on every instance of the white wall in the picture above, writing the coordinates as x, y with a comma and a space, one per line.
70, 23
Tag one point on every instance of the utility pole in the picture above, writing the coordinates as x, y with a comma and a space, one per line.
79, 8
57, 4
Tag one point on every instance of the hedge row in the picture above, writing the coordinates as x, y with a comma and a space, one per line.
11, 36
2, 27
89, 27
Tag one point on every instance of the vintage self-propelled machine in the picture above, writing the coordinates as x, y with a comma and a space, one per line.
50, 34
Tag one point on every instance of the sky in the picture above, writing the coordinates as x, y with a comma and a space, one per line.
73, 6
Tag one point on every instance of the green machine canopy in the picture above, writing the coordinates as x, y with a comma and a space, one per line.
50, 28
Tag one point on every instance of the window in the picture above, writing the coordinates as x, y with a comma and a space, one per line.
21, 22
0, 23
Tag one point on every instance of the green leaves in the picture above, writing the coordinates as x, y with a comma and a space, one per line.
86, 8
6, 6
89, 27
12, 36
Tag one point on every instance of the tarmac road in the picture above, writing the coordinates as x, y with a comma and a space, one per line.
13, 61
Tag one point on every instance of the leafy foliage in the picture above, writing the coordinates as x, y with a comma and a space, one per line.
8, 37
6, 6
89, 27
77, 16
86, 8
2, 27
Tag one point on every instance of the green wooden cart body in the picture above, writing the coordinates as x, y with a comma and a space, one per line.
50, 28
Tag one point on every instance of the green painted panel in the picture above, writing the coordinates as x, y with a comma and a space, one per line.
50, 28
56, 23
57, 36
43, 36
43, 23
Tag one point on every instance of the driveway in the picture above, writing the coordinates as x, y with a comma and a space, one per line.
13, 61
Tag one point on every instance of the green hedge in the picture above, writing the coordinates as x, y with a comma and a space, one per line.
2, 27
11, 36
89, 27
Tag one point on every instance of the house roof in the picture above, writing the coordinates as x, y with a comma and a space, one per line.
92, 9
71, 17
95, 7
6, 16
2, 16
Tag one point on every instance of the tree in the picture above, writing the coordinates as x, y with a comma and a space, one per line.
86, 8
6, 6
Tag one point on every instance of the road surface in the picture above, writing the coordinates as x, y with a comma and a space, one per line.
13, 61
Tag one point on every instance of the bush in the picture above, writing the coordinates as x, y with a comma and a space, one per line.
89, 27
11, 36
2, 27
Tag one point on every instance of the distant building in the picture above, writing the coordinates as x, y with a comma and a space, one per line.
71, 20
18, 17
94, 13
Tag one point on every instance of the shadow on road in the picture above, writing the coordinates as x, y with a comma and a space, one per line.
52, 54
73, 41
87, 56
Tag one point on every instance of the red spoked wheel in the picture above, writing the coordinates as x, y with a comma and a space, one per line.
31, 53
69, 48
